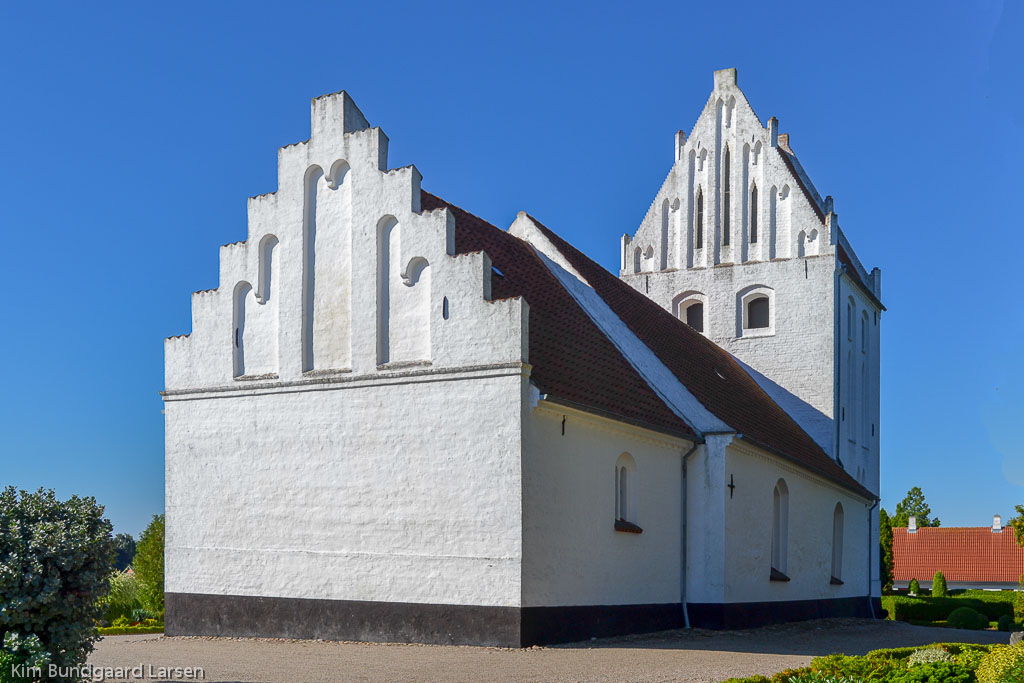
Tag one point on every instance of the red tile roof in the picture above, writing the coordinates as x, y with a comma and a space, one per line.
574, 361
970, 554
570, 356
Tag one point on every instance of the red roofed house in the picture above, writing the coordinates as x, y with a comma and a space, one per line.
395, 421
969, 557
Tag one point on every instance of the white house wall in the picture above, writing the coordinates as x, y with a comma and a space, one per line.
572, 554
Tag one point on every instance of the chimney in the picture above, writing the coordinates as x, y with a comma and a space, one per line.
912, 525
997, 524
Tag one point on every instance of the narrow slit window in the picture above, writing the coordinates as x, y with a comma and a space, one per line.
725, 199
700, 220
753, 215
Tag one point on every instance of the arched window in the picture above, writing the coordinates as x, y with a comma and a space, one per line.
725, 198
758, 313
864, 332
625, 494
780, 530
849, 319
699, 238
637, 255
695, 316
755, 311
689, 307
241, 293
753, 214
837, 545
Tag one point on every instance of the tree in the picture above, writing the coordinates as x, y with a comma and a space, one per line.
885, 554
56, 560
124, 544
939, 585
914, 588
149, 564
914, 505
1018, 524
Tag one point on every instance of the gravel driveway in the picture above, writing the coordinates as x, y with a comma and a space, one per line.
697, 656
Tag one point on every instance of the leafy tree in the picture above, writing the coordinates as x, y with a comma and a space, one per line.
914, 587
939, 585
914, 505
149, 564
124, 544
55, 559
885, 555
1018, 524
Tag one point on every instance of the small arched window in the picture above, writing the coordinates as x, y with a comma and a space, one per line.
864, 332
758, 313
837, 545
625, 494
849, 319
695, 316
638, 254
780, 530
725, 199
753, 214
699, 220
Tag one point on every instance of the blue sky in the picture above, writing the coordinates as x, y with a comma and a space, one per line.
133, 133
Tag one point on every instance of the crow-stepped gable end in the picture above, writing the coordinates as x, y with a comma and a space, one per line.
394, 421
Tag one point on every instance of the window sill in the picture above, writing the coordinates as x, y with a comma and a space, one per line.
778, 576
627, 527
754, 332
249, 378
835, 582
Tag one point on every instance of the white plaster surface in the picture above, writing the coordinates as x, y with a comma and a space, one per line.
812, 500
571, 553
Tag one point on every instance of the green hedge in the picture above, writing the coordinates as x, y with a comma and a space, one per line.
902, 608
129, 630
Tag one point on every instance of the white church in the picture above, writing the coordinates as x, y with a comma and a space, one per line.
394, 421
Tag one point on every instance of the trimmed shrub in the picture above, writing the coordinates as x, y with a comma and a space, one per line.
929, 655
1018, 601
149, 565
939, 585
859, 668
967, 617
915, 587
939, 672
1005, 623
902, 608
57, 557
1002, 662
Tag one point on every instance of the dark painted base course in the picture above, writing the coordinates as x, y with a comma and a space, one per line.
249, 616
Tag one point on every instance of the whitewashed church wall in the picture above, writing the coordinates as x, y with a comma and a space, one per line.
359, 491
858, 393
705, 521
796, 351
323, 417
572, 554
811, 507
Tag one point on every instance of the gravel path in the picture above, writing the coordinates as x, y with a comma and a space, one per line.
696, 656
